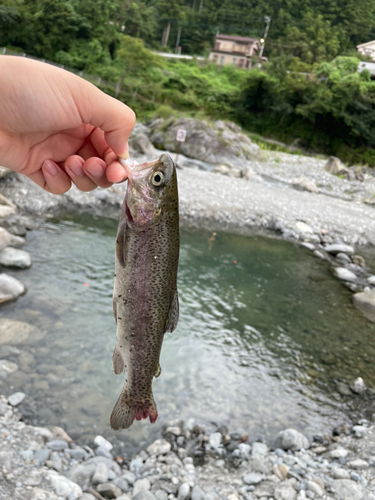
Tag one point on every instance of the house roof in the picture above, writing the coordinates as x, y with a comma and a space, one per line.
236, 38
365, 44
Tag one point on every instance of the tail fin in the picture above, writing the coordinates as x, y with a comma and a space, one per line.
125, 412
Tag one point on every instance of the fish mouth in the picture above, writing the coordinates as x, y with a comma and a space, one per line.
134, 170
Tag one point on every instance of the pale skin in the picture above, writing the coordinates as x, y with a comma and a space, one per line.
57, 128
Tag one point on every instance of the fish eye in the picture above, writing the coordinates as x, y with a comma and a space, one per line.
157, 178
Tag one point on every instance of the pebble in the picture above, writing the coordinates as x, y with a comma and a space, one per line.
358, 464
344, 274
285, 491
42, 455
16, 398
101, 441
339, 473
109, 490
64, 487
358, 386
101, 474
197, 493
57, 445
102, 451
259, 449
145, 495
301, 227
129, 477
135, 464
10, 288
215, 441
183, 491
159, 447
141, 484
291, 439
359, 431
253, 478
336, 248
163, 495
77, 453
343, 258
371, 280
316, 488
338, 452
244, 450
7, 367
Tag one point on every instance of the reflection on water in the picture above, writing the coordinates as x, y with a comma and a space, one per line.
265, 334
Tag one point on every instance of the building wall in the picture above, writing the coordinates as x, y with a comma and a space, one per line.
228, 59
369, 50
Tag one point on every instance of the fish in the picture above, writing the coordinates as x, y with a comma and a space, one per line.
145, 297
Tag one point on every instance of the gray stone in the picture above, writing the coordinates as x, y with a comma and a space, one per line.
338, 452
315, 488
259, 449
101, 441
109, 490
335, 166
16, 398
344, 274
129, 477
102, 451
264, 489
163, 495
343, 258
101, 474
183, 491
7, 367
10, 288
307, 245
159, 447
319, 255
291, 439
142, 144
42, 455
259, 463
285, 492
13, 257
244, 450
343, 389
87, 496
57, 445
252, 478
136, 463
358, 464
144, 495
215, 440
141, 484
121, 483
64, 487
56, 461
365, 302
305, 184
336, 248
125, 496
203, 142
6, 211
5, 238
17, 332
77, 453
348, 489
197, 493
302, 227
339, 473
358, 386
359, 431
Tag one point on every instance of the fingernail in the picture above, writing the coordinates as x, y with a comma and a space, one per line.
50, 167
76, 167
96, 170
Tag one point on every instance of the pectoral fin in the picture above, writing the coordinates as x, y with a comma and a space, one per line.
118, 363
173, 314
158, 371
120, 243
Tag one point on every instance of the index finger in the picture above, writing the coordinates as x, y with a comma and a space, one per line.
115, 171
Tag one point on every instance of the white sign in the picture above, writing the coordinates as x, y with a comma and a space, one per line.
181, 135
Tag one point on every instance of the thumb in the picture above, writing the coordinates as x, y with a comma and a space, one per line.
110, 115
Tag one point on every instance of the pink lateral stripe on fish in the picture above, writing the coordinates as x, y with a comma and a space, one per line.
145, 299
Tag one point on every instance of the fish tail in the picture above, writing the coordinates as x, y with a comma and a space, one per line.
126, 411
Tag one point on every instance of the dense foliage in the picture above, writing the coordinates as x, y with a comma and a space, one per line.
88, 30
307, 91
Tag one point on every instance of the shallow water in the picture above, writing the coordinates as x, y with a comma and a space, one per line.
265, 334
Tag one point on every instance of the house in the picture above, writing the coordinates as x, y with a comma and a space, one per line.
237, 50
367, 49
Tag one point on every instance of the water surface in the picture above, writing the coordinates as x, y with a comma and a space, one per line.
265, 335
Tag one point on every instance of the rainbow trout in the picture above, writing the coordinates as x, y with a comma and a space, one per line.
145, 300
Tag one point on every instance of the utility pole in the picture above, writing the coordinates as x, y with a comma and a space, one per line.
178, 40
267, 20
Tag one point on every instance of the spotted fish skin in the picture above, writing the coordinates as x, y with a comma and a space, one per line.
145, 299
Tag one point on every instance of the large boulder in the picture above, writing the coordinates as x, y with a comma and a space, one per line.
142, 144
335, 166
13, 257
219, 142
10, 288
18, 332
365, 302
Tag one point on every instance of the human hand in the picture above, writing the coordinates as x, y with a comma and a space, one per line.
57, 128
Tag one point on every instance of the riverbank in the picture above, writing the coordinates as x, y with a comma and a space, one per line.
189, 461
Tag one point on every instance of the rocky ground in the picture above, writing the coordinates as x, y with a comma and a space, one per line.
186, 463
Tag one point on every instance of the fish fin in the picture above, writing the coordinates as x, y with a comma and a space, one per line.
120, 243
124, 413
118, 363
158, 371
173, 314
